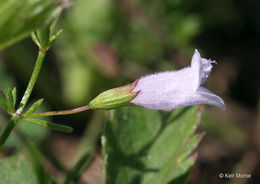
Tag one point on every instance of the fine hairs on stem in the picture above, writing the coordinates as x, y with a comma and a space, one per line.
28, 91
57, 113
15, 117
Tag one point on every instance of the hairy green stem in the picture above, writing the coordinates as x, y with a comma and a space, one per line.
57, 113
15, 118
28, 92
8, 129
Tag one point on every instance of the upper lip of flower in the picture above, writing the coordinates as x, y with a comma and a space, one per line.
202, 67
169, 90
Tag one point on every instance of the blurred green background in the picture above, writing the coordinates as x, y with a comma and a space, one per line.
108, 43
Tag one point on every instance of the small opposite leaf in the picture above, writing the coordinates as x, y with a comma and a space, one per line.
14, 95
10, 101
34, 107
52, 126
54, 37
35, 39
54, 23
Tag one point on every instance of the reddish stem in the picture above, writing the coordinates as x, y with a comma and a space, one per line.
57, 113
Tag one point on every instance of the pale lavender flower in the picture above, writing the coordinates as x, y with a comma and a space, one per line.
173, 89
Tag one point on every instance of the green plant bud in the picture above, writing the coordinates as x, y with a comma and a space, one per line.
116, 97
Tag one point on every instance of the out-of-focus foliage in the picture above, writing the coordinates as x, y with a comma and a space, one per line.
97, 43
141, 147
17, 169
83, 34
24, 167
18, 18
6, 79
216, 127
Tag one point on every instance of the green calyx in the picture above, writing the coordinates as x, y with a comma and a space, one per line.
113, 98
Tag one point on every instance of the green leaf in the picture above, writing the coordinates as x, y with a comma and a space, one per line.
10, 101
14, 95
141, 147
52, 126
34, 107
54, 37
16, 169
18, 18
